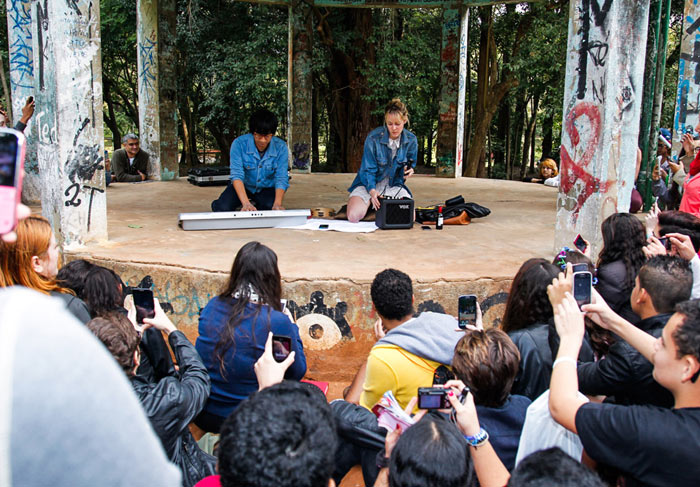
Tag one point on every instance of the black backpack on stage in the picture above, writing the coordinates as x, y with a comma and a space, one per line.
452, 208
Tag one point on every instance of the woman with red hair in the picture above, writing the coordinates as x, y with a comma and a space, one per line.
32, 261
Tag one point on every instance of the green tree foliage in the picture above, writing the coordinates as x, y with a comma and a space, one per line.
233, 59
119, 69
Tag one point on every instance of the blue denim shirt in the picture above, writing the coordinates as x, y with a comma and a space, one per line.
376, 159
270, 171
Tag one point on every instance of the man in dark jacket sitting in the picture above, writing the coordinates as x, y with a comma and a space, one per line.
624, 374
130, 163
172, 402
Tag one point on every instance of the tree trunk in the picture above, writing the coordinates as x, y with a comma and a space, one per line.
547, 128
315, 159
110, 117
188, 134
429, 152
350, 114
421, 151
223, 142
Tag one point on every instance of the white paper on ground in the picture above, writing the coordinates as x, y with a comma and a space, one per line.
335, 225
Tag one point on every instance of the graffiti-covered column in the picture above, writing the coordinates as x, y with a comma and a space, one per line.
688, 93
68, 92
461, 98
602, 106
449, 87
19, 38
155, 33
299, 85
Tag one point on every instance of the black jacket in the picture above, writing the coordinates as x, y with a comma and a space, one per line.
624, 374
535, 360
611, 278
172, 403
125, 173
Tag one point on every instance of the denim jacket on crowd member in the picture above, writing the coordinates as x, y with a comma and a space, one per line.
377, 163
268, 171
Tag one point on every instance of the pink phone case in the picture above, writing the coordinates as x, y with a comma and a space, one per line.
10, 196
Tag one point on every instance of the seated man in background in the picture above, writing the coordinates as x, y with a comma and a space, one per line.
130, 163
170, 403
623, 374
407, 357
259, 168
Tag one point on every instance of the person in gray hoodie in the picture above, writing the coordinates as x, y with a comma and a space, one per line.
406, 357
408, 351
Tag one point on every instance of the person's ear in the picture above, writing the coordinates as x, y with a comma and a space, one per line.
691, 368
137, 358
37, 264
643, 296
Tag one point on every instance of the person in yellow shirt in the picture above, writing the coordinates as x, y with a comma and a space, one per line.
406, 357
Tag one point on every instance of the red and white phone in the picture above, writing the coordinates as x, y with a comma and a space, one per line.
12, 146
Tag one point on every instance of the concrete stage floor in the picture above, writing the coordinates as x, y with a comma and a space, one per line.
326, 275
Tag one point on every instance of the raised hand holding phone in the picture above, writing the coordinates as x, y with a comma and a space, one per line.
268, 371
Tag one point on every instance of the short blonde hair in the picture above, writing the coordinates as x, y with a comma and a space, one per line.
550, 164
398, 107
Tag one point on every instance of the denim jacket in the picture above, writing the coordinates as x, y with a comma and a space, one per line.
377, 163
268, 171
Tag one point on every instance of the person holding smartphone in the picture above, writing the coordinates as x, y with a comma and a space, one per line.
233, 330
389, 157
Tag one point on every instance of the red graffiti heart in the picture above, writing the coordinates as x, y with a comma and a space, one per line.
572, 171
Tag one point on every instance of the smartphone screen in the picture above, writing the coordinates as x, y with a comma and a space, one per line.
580, 243
11, 160
582, 288
467, 310
143, 300
579, 267
281, 347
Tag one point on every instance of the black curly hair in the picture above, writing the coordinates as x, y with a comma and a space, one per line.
687, 335
392, 294
528, 303
623, 239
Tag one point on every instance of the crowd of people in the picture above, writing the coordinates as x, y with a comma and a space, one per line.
605, 393
557, 392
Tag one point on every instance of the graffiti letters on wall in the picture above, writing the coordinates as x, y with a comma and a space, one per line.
69, 132
601, 113
687, 112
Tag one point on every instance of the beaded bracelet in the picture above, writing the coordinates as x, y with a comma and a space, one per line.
477, 440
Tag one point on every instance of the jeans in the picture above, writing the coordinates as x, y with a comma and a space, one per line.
229, 201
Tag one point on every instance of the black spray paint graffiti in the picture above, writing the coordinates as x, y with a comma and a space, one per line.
317, 306
73, 4
43, 23
597, 50
83, 162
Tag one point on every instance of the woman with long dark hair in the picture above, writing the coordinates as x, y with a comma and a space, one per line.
525, 320
233, 328
619, 261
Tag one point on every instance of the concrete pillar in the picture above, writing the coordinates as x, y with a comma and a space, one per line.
463, 80
68, 92
602, 106
688, 93
156, 58
299, 86
19, 38
446, 147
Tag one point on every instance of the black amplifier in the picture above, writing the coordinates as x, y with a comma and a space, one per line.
394, 213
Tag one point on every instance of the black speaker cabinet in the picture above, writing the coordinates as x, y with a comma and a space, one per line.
394, 214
